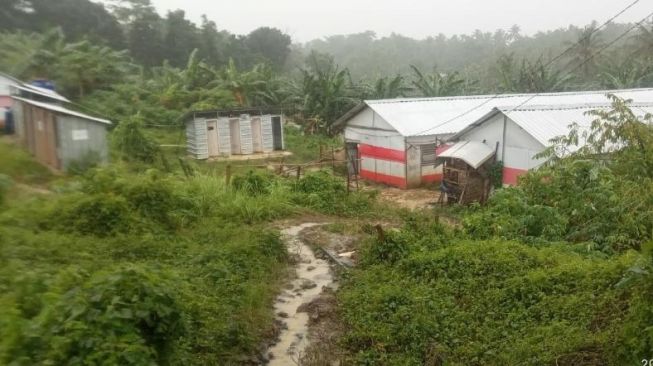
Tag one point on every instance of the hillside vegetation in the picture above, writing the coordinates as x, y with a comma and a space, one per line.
156, 259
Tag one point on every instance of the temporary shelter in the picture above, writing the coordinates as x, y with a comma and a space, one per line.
234, 132
396, 139
518, 134
58, 136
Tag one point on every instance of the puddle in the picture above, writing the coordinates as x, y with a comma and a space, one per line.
312, 275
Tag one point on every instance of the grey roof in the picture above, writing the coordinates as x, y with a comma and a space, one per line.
473, 153
62, 110
545, 122
449, 115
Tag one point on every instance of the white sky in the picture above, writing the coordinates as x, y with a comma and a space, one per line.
305, 20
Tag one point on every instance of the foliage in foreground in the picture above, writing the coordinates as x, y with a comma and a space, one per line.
423, 296
601, 194
149, 268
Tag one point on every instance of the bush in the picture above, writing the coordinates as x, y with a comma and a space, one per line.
327, 193
509, 215
131, 143
127, 316
98, 214
112, 204
253, 183
457, 302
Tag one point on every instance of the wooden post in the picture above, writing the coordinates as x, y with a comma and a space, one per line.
227, 176
333, 160
299, 171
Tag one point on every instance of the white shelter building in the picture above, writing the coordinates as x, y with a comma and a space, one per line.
397, 140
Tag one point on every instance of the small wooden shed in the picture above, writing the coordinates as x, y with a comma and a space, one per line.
466, 172
233, 132
59, 137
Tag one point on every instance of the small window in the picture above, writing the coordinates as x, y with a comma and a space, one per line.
210, 128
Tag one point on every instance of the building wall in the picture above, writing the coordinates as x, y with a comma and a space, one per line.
40, 135
518, 152
79, 139
196, 138
19, 130
382, 149
419, 172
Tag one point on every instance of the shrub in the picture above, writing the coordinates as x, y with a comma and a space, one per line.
327, 193
131, 143
98, 214
127, 316
490, 302
509, 215
253, 183
87, 162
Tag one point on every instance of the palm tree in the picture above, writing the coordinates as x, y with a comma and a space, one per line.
584, 50
437, 84
624, 74
327, 91
644, 41
388, 88
84, 67
242, 84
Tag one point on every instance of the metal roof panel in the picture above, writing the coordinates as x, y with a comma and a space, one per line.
62, 110
447, 115
473, 153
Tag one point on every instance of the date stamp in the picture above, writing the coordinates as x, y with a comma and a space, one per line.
647, 362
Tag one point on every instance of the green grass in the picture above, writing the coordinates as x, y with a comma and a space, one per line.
426, 296
17, 163
306, 148
134, 266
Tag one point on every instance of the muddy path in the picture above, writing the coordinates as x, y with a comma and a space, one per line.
312, 276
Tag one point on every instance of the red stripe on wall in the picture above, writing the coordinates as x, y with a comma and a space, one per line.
432, 178
384, 178
441, 148
382, 153
510, 175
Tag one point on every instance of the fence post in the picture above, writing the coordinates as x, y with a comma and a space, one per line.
299, 171
227, 176
333, 160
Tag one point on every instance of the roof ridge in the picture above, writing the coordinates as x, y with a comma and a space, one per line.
545, 107
495, 96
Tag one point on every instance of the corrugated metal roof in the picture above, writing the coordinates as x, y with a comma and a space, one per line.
62, 110
447, 115
547, 122
43, 92
473, 153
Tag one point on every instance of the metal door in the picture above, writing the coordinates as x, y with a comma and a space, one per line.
212, 138
234, 128
277, 133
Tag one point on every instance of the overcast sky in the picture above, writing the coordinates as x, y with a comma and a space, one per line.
305, 20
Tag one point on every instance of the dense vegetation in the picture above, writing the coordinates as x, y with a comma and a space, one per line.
123, 58
546, 273
145, 261
125, 266
426, 296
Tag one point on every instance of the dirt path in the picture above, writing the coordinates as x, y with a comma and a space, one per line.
312, 275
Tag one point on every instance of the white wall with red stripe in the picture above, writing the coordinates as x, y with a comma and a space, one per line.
385, 155
517, 151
